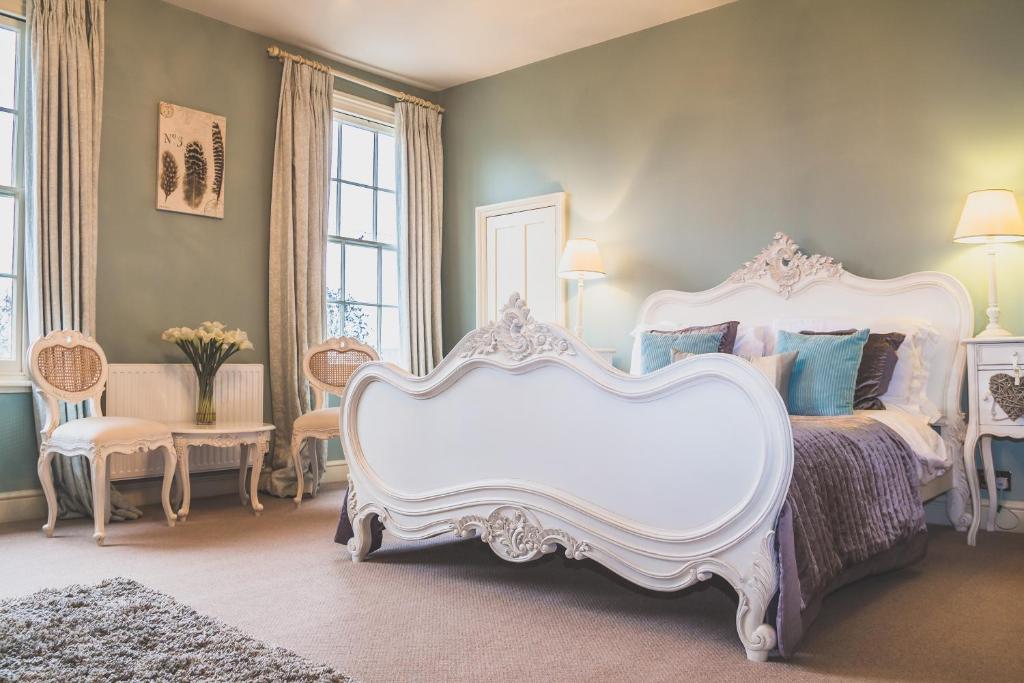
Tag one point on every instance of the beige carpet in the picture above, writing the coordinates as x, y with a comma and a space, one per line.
452, 611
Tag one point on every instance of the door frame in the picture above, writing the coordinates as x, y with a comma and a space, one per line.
558, 200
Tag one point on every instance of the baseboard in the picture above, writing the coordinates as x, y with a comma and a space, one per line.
1010, 516
17, 506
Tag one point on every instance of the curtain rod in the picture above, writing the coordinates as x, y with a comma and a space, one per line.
277, 53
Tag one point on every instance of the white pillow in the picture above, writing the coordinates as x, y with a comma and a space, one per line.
908, 389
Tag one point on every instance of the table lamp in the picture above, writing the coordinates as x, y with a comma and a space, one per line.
580, 260
990, 217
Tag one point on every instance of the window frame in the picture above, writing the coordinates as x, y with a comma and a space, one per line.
13, 372
380, 119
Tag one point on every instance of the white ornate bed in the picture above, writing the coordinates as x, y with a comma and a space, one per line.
524, 435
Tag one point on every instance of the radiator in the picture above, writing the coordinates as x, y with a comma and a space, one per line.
167, 393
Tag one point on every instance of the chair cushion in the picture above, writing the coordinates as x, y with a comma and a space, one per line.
105, 430
319, 420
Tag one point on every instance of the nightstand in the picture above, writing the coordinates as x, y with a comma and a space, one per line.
985, 359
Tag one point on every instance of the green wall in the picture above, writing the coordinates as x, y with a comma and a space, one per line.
159, 269
855, 126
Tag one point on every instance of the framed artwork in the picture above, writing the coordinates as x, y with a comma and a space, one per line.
190, 161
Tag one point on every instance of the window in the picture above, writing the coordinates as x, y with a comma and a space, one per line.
12, 329
362, 235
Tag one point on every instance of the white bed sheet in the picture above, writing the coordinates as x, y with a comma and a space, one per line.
922, 438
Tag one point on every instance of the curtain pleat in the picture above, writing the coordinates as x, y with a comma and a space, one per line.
421, 159
298, 236
65, 98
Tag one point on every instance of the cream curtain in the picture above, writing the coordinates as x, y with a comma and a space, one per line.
418, 133
65, 105
298, 235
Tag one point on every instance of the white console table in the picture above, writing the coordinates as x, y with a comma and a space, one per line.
252, 437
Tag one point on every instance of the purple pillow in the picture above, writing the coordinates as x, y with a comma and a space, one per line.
727, 330
877, 364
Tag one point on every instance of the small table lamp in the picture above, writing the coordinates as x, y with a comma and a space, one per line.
990, 217
580, 260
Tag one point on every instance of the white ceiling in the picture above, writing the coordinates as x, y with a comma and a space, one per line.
435, 44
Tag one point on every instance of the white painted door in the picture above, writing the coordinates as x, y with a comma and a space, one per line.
519, 253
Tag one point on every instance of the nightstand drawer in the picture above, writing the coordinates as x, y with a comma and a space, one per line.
989, 413
1002, 355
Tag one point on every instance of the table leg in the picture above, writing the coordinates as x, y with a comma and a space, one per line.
243, 464
971, 471
990, 482
186, 480
257, 452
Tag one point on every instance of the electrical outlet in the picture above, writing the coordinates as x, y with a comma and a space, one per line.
1003, 480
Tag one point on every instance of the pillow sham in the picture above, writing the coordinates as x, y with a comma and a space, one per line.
656, 347
727, 330
908, 389
777, 368
877, 365
824, 376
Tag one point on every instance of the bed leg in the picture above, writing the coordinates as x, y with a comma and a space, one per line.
362, 538
758, 637
756, 587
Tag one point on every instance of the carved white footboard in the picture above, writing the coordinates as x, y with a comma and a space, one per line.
525, 436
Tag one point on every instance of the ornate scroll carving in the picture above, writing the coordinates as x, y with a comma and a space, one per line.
958, 500
755, 592
784, 265
353, 504
516, 334
513, 536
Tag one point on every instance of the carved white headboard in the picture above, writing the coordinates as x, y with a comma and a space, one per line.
783, 282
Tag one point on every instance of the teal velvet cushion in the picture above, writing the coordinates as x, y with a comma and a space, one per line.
656, 348
824, 377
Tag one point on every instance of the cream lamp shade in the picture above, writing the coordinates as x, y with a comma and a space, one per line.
990, 216
581, 259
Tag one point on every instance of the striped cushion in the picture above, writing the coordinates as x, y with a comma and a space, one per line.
824, 376
656, 348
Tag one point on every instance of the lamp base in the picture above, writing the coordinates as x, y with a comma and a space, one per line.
993, 333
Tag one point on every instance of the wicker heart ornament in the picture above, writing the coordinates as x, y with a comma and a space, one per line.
1008, 395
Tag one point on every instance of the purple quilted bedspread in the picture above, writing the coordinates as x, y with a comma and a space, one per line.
853, 509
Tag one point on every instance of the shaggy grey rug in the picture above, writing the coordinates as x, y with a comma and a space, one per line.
120, 630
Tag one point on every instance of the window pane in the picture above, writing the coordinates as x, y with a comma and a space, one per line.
334, 327
360, 273
356, 212
361, 323
387, 230
389, 277
7, 332
385, 161
335, 137
332, 210
390, 339
7, 235
357, 154
333, 275
6, 148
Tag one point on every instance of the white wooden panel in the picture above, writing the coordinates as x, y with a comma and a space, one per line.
518, 247
507, 257
166, 392
543, 286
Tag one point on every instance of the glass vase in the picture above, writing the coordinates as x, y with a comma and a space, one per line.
206, 413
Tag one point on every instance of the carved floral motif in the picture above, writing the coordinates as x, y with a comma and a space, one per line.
510, 534
516, 334
783, 264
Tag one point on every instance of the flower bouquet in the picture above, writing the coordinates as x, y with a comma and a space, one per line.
207, 347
